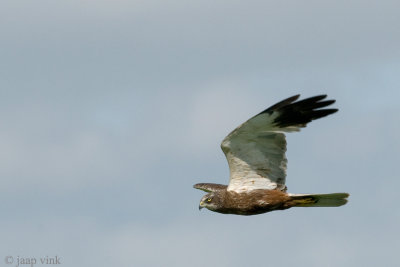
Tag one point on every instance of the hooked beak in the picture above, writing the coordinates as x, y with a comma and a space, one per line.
201, 205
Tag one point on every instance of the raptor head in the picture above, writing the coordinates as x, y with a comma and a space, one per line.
211, 201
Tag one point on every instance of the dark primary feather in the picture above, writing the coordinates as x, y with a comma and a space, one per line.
301, 112
280, 104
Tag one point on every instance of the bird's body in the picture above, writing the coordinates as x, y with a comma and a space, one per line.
256, 156
259, 201
250, 203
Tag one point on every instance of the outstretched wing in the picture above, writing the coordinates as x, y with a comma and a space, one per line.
256, 149
208, 187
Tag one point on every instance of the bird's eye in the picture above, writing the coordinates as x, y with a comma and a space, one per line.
209, 200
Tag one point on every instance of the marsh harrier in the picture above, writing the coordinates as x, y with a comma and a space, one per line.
256, 156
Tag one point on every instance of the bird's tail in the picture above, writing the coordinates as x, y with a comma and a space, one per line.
319, 200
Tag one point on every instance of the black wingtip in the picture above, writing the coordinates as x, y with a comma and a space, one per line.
282, 103
292, 112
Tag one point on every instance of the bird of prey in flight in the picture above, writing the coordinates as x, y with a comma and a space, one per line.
256, 156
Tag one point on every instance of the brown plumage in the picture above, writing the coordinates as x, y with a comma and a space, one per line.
256, 155
260, 200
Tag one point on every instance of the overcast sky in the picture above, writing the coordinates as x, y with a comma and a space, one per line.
111, 110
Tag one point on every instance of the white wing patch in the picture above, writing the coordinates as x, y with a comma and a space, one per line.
256, 154
256, 149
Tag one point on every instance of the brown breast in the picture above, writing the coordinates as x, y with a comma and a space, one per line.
254, 202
